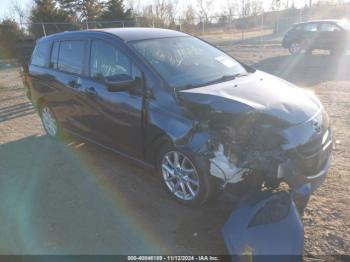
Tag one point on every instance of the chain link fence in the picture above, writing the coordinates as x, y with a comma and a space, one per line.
230, 29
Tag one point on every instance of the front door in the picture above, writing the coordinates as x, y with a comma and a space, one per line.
115, 119
310, 36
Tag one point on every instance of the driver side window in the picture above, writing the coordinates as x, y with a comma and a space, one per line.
107, 61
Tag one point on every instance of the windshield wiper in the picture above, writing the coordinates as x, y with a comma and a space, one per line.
215, 81
225, 78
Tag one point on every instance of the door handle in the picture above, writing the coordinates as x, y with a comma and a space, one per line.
91, 90
76, 83
72, 84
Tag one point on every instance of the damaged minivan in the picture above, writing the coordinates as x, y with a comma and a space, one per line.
171, 101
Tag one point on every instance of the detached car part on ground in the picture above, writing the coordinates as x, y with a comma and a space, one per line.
171, 101
266, 226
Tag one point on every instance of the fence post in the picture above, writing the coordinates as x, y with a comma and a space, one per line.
180, 27
202, 27
262, 28
123, 23
87, 24
43, 27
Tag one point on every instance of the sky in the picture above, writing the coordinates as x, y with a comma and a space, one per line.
7, 5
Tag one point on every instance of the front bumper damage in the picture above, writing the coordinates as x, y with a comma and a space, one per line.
296, 155
267, 226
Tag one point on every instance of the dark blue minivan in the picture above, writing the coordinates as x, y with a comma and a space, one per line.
175, 103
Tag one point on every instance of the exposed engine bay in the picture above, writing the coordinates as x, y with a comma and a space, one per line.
270, 142
261, 150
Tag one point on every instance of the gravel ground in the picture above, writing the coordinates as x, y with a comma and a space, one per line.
74, 198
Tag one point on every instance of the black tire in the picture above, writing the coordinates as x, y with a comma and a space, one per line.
309, 51
45, 110
295, 48
207, 184
338, 51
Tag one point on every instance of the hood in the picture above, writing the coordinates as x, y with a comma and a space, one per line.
258, 91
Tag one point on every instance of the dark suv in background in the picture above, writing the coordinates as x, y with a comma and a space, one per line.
333, 35
173, 102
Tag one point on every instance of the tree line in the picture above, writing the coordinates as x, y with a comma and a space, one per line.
69, 14
63, 15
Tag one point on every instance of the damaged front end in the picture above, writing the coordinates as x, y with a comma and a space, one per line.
249, 148
262, 130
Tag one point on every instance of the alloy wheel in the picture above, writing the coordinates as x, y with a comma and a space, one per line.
49, 121
295, 48
180, 175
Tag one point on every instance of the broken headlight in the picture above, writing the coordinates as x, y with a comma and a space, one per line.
276, 209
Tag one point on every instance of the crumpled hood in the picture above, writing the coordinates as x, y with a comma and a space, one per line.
257, 91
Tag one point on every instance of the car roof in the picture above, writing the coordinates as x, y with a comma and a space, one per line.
140, 33
320, 21
126, 34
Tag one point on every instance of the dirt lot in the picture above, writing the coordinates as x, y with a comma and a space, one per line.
79, 199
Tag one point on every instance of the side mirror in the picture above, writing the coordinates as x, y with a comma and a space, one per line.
119, 83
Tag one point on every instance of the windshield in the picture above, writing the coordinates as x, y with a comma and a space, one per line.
186, 62
344, 24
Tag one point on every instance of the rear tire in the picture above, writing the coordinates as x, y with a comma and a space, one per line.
338, 52
185, 176
49, 121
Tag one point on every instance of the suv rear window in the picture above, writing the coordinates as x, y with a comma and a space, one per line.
71, 55
41, 54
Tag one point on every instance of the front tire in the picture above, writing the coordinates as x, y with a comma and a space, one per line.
295, 48
49, 121
185, 176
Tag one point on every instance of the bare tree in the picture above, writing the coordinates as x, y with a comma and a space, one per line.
232, 8
245, 8
256, 7
20, 12
275, 4
188, 20
205, 8
160, 13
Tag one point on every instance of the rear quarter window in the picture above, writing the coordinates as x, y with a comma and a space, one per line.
41, 54
54, 55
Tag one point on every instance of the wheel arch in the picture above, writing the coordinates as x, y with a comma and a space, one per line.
39, 103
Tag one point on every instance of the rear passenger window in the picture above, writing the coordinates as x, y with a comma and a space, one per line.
106, 60
298, 27
70, 57
54, 55
41, 54
310, 27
